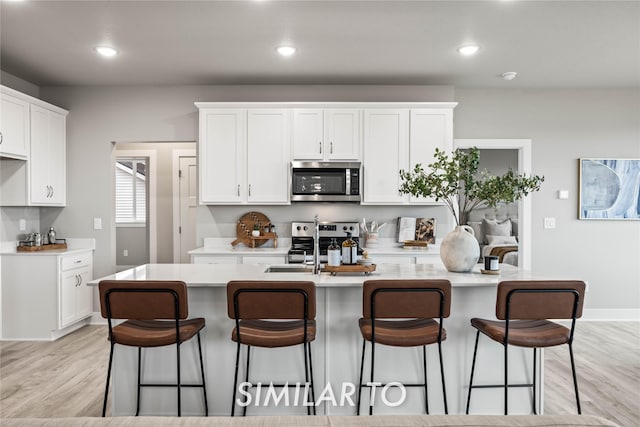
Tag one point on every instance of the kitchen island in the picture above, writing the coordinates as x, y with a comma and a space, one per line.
336, 351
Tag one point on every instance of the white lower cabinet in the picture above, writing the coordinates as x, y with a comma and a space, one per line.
45, 296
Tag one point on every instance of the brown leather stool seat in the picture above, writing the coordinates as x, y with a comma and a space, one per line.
522, 310
261, 333
272, 314
403, 333
155, 333
401, 313
525, 333
156, 313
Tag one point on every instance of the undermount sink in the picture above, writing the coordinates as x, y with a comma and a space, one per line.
289, 268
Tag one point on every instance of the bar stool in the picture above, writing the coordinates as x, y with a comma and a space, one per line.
272, 314
147, 305
412, 304
523, 308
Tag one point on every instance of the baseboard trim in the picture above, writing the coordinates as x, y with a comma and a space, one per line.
611, 314
97, 319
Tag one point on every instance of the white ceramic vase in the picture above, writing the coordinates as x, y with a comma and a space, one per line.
459, 249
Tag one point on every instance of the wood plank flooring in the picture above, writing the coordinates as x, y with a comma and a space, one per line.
65, 378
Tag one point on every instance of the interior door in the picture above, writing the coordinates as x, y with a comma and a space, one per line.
188, 204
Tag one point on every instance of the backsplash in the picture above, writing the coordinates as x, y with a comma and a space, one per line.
11, 217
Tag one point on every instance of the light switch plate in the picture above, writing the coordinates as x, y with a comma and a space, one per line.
22, 225
563, 194
97, 223
549, 223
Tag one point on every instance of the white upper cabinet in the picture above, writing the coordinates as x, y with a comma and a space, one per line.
429, 129
222, 151
244, 156
326, 134
14, 127
47, 168
399, 139
268, 156
386, 151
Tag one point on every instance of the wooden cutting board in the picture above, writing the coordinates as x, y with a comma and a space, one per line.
245, 227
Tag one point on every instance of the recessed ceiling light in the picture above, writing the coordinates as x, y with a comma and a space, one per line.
509, 75
106, 51
468, 49
286, 50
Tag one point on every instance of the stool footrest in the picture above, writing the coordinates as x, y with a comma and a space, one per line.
501, 385
171, 385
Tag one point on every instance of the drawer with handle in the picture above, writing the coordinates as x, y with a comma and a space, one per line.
75, 261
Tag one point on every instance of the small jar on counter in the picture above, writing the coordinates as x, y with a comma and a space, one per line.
333, 254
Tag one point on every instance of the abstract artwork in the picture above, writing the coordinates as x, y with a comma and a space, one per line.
609, 189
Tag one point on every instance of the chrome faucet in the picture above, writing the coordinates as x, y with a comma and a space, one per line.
316, 245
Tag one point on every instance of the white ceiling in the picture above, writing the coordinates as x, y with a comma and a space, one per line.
555, 44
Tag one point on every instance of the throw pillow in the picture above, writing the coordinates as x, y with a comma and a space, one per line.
501, 240
494, 227
477, 230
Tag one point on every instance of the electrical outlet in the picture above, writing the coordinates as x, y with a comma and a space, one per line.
22, 225
125, 252
549, 223
97, 223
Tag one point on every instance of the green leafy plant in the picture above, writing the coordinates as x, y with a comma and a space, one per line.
455, 181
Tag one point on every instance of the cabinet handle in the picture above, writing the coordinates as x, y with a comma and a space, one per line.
48, 191
331, 147
249, 190
78, 261
1, 137
238, 189
320, 145
76, 276
79, 279
52, 191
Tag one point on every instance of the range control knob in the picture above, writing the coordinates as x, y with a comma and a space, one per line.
305, 228
344, 227
351, 227
298, 228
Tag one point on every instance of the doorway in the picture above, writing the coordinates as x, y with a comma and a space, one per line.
523, 148
185, 178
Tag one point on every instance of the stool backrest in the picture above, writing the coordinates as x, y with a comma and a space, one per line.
143, 299
406, 298
540, 299
266, 299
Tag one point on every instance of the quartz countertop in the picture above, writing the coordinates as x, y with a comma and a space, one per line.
74, 246
217, 275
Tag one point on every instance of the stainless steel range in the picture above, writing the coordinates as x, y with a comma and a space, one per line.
302, 239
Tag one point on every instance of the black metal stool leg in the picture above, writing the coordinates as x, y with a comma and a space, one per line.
179, 384
575, 378
106, 388
204, 384
424, 367
360, 382
235, 381
313, 393
506, 379
535, 353
473, 367
373, 354
306, 374
139, 375
246, 377
444, 388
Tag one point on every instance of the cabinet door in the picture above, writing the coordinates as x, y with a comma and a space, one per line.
342, 134
47, 162
69, 281
267, 156
308, 142
221, 159
38, 161
429, 129
14, 127
84, 301
385, 153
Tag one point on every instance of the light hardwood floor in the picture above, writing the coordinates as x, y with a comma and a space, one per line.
65, 378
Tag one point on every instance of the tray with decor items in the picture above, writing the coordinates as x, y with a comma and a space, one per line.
366, 269
27, 246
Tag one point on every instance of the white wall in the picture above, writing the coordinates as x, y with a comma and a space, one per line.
565, 125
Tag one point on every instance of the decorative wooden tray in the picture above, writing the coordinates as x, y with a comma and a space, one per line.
41, 248
245, 227
355, 268
493, 272
415, 243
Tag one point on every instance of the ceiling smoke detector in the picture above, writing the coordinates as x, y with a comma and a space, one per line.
509, 75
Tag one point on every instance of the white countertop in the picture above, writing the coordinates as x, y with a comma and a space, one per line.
217, 275
74, 246
222, 246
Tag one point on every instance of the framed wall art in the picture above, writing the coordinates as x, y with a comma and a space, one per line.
609, 189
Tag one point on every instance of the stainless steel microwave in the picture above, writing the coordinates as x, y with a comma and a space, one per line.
325, 181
